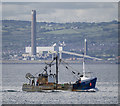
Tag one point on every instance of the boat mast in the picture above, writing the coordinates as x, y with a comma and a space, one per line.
85, 47
83, 66
56, 69
85, 50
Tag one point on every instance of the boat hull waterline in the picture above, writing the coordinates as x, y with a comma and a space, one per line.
78, 86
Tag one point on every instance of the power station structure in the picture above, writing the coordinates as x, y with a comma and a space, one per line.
33, 52
37, 51
33, 33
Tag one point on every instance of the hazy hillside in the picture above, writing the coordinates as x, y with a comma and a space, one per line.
102, 37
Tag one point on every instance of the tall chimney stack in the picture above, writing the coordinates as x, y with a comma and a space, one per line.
33, 33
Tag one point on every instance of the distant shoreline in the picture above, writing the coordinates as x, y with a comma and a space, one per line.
48, 61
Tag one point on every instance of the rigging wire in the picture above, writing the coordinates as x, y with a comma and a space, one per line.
77, 70
46, 66
71, 67
40, 71
73, 73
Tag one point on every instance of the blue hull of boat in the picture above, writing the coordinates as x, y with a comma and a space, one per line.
89, 84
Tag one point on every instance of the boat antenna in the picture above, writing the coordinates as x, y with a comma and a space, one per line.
84, 54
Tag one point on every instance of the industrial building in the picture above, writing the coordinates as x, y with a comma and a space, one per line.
42, 52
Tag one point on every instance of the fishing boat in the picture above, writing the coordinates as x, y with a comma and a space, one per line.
49, 81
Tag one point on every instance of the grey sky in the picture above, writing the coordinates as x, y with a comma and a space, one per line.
62, 11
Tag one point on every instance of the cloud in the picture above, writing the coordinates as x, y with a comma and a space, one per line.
61, 11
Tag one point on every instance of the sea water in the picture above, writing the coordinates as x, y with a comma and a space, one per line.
13, 76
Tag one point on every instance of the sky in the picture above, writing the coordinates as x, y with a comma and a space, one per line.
61, 11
